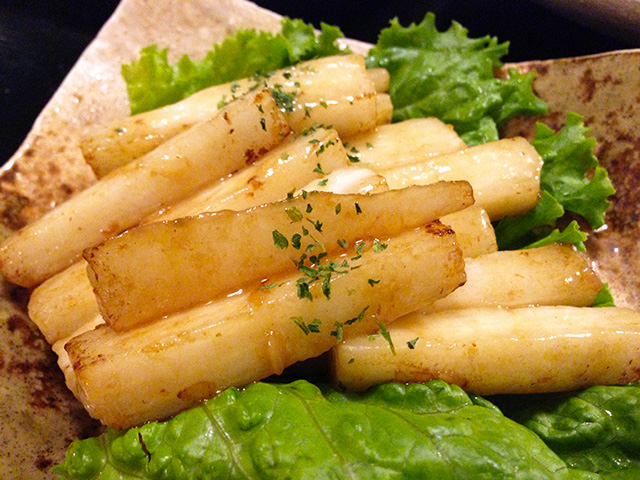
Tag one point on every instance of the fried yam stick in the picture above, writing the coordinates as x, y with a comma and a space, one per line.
206, 152
336, 91
129, 378
495, 351
505, 174
164, 267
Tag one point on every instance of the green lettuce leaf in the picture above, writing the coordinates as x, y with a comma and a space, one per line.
153, 82
451, 76
571, 172
571, 180
571, 234
604, 297
295, 431
513, 233
596, 429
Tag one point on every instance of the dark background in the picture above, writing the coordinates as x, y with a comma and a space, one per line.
40, 40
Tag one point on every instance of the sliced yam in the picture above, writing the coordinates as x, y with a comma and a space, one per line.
474, 231
497, 351
285, 169
110, 146
206, 152
336, 91
125, 379
66, 301
380, 78
349, 180
408, 142
551, 275
164, 267
505, 174
63, 303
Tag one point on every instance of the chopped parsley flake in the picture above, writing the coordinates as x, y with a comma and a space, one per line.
338, 208
358, 318
302, 285
322, 183
337, 332
343, 243
318, 169
358, 209
326, 286
294, 214
284, 100
353, 155
373, 282
324, 146
280, 240
263, 123
387, 336
319, 272
317, 224
295, 241
223, 102
359, 249
307, 328
412, 343
378, 247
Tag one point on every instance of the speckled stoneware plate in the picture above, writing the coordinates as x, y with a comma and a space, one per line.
38, 416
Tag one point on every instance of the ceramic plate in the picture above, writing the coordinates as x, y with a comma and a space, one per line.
38, 416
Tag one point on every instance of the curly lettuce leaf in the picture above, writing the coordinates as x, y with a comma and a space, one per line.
451, 76
571, 172
295, 431
153, 82
571, 180
595, 429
